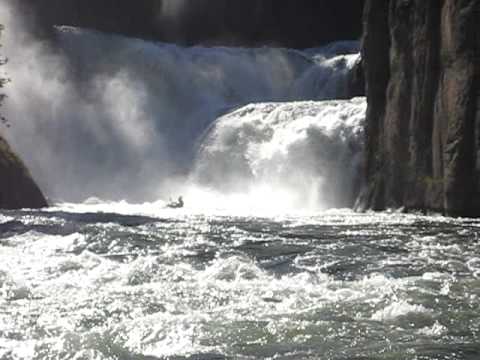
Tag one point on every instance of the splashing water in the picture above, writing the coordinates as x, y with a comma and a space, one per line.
310, 153
156, 284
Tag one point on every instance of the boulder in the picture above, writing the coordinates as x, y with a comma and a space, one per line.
17, 188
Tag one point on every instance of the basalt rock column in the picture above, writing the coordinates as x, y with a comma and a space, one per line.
421, 63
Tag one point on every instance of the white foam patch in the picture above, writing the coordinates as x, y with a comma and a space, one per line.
12, 287
436, 330
4, 219
398, 309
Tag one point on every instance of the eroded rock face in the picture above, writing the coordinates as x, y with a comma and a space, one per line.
422, 62
356, 80
17, 188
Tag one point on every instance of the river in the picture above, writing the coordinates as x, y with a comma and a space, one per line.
86, 282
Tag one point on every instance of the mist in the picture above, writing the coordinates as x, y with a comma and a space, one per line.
101, 115
77, 139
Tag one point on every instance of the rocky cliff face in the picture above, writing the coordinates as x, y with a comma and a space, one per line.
422, 63
288, 23
17, 188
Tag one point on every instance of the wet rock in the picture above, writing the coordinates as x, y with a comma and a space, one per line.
356, 80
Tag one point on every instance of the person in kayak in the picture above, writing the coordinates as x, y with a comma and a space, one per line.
176, 204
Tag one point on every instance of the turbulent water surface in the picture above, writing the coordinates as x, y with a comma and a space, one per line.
138, 282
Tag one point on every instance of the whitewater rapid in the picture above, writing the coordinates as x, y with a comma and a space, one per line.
120, 118
79, 282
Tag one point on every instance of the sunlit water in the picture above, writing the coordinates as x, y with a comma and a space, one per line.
84, 282
145, 108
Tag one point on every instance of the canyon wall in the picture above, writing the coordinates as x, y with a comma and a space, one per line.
288, 23
421, 61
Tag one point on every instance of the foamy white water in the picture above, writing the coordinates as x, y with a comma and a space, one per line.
271, 158
80, 283
301, 155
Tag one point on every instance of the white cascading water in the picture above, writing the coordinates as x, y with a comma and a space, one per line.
293, 155
123, 118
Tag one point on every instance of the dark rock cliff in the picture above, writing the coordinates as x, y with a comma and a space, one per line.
289, 23
17, 188
422, 62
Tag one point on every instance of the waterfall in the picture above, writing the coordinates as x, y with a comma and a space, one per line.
296, 154
122, 118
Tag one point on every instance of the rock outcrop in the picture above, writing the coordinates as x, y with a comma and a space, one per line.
422, 62
289, 23
17, 188
356, 80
